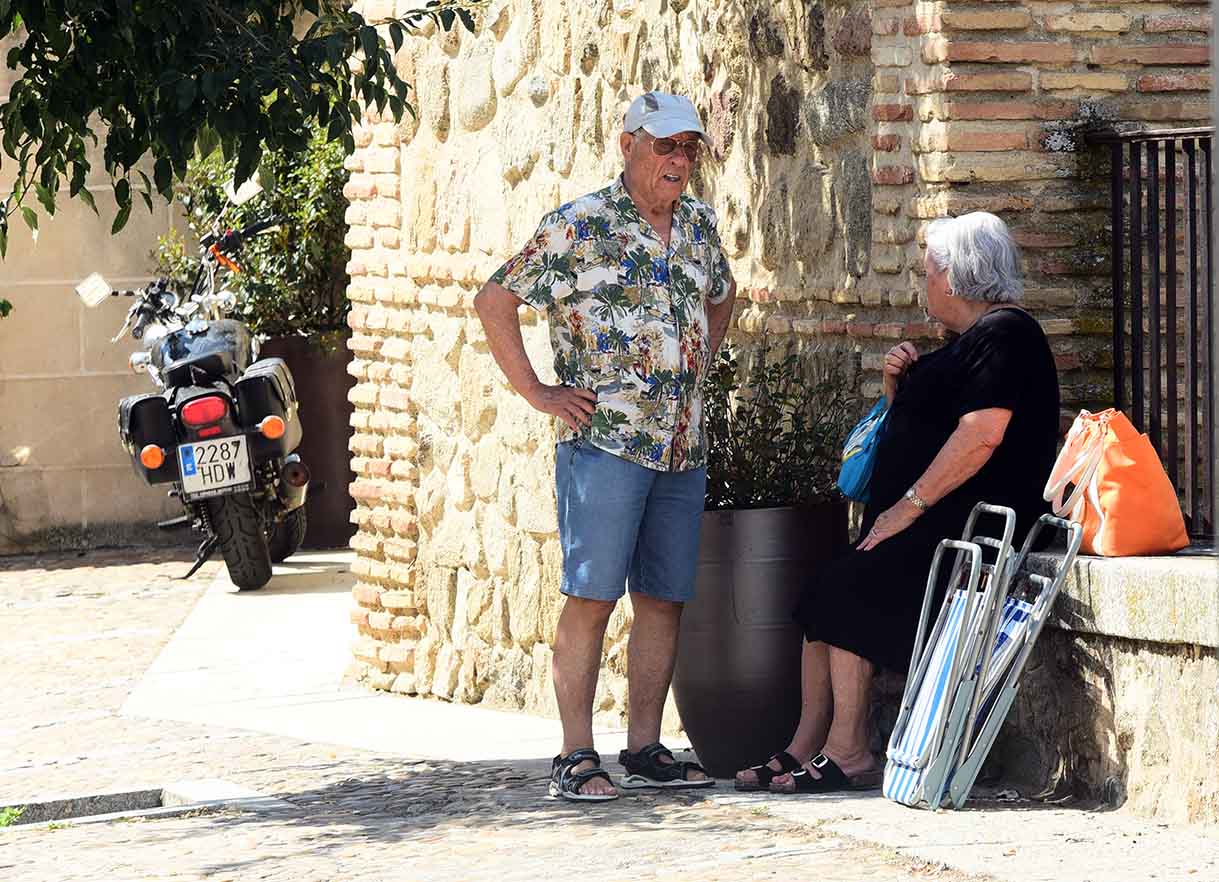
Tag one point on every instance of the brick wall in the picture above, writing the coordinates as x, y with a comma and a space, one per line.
984, 106
839, 131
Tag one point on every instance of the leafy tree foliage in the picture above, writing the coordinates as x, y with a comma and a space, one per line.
162, 80
293, 280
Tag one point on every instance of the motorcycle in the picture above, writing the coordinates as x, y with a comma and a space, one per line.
223, 428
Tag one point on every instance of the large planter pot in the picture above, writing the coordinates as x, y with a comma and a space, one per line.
322, 384
737, 680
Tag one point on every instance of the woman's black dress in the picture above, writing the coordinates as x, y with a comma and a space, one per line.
868, 602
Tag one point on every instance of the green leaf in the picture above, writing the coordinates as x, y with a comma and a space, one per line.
338, 125
31, 219
5, 306
210, 84
268, 175
247, 160
144, 194
164, 174
396, 35
466, 19
87, 197
46, 197
122, 192
120, 219
3, 243
186, 93
207, 142
369, 41
447, 17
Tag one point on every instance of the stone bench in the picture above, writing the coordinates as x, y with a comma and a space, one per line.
1120, 699
1119, 702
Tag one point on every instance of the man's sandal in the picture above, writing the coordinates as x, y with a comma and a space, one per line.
568, 784
765, 773
832, 778
644, 769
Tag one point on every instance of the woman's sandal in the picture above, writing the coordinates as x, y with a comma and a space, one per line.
644, 769
765, 773
832, 778
568, 784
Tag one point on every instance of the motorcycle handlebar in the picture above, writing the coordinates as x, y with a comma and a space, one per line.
233, 239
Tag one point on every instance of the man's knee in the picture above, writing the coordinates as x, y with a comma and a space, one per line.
587, 613
654, 609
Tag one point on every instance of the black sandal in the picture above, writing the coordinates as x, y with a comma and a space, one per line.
567, 784
765, 773
644, 769
832, 778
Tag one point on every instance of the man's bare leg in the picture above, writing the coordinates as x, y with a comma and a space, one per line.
576, 663
651, 655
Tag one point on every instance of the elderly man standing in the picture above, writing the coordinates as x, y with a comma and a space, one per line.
638, 295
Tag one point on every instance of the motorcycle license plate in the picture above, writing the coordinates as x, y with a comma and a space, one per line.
210, 468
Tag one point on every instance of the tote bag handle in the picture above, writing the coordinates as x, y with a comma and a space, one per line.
1078, 462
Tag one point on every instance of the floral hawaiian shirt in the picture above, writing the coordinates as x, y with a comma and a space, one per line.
628, 319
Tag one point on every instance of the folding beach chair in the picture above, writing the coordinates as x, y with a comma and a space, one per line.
941, 695
952, 710
1027, 602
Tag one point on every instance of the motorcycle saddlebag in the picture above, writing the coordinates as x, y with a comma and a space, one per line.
267, 389
145, 419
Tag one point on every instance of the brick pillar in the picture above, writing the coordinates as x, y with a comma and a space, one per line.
384, 443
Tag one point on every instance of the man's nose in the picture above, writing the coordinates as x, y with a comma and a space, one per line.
679, 156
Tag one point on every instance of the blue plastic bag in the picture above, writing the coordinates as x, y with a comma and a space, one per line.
859, 453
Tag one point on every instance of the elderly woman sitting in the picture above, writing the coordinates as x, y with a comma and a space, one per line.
976, 420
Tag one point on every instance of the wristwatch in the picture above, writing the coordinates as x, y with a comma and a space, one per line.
916, 500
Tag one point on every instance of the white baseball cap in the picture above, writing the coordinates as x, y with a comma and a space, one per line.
662, 115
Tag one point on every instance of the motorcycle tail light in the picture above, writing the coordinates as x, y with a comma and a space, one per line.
204, 411
272, 427
209, 432
152, 457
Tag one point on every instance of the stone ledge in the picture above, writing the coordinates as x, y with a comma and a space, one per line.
1171, 599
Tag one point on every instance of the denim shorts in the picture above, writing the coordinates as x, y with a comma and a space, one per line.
620, 522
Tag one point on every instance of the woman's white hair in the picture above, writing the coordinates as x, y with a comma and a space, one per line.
979, 255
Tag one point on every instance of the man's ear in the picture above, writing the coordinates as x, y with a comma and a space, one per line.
625, 141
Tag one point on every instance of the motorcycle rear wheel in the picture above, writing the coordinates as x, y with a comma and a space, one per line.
239, 528
287, 535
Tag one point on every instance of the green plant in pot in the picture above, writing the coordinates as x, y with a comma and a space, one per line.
775, 429
292, 293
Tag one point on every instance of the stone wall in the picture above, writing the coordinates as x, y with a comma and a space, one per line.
839, 129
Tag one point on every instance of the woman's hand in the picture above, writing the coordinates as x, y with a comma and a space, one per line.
897, 362
889, 523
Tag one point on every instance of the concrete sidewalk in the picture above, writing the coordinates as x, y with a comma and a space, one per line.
273, 660
388, 787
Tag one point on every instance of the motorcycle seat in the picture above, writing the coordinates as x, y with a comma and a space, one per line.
184, 371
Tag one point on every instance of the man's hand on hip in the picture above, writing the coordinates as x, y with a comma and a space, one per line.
573, 406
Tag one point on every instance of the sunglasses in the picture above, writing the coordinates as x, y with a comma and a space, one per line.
664, 146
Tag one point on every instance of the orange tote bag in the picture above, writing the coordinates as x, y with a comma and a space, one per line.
1122, 496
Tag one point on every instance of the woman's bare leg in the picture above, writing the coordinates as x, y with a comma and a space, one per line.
815, 708
847, 741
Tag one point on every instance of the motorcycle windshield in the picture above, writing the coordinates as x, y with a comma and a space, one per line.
222, 335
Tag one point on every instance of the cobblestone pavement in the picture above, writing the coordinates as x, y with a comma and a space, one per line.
78, 631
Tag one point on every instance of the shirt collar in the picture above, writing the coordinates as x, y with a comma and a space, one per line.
681, 214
